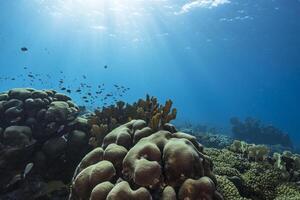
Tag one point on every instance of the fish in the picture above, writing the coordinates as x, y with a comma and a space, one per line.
68, 90
24, 49
63, 88
105, 66
27, 169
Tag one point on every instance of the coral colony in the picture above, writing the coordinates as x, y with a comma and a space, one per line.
50, 148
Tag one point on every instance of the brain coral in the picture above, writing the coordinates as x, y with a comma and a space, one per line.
156, 165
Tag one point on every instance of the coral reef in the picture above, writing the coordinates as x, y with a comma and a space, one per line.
137, 162
241, 176
253, 131
133, 152
213, 140
106, 119
251, 151
39, 127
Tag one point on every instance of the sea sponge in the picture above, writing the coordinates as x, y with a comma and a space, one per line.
156, 167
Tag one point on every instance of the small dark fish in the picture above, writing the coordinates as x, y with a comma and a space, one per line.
84, 76
13, 79
90, 94
86, 101
24, 49
84, 97
25, 67
63, 88
105, 66
78, 90
68, 90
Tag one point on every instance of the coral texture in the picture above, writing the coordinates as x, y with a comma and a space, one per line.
155, 115
131, 164
42, 127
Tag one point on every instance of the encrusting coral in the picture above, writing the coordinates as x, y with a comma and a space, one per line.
135, 162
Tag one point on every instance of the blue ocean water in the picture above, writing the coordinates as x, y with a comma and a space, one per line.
214, 58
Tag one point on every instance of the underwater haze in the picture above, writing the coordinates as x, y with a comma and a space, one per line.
214, 58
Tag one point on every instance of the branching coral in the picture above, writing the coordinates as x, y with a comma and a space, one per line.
153, 165
155, 115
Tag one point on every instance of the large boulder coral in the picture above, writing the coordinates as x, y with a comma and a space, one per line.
160, 165
40, 126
